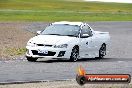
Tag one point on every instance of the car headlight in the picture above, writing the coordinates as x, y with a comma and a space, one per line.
61, 46
31, 44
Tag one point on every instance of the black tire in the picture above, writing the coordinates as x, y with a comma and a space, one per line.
74, 54
102, 51
31, 59
81, 80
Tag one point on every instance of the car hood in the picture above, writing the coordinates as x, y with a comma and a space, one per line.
51, 39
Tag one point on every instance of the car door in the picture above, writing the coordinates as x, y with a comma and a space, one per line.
86, 44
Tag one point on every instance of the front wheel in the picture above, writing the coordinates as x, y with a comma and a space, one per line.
74, 54
102, 51
31, 59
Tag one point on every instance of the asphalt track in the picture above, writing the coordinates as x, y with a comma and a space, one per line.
117, 61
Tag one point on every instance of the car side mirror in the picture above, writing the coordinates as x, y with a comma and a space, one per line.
38, 32
85, 36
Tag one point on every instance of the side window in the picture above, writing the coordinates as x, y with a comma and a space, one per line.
86, 30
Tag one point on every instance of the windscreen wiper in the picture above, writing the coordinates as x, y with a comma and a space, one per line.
53, 34
71, 35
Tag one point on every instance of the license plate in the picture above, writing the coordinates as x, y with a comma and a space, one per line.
43, 51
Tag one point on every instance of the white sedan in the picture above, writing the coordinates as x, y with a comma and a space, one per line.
69, 41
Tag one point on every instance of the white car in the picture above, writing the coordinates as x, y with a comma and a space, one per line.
69, 41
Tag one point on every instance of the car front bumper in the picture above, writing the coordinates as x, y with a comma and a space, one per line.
58, 53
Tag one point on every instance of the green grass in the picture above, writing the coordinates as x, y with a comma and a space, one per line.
15, 51
56, 10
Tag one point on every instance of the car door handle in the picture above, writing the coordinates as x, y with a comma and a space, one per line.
86, 43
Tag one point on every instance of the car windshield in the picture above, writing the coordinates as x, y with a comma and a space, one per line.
61, 30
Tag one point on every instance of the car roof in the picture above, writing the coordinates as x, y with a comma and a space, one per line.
69, 23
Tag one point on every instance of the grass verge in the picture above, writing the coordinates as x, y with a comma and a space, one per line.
15, 51
56, 10
13, 39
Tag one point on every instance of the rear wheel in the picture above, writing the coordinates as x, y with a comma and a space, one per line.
102, 51
31, 59
74, 54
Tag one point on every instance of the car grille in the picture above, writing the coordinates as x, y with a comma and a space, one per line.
35, 52
44, 45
